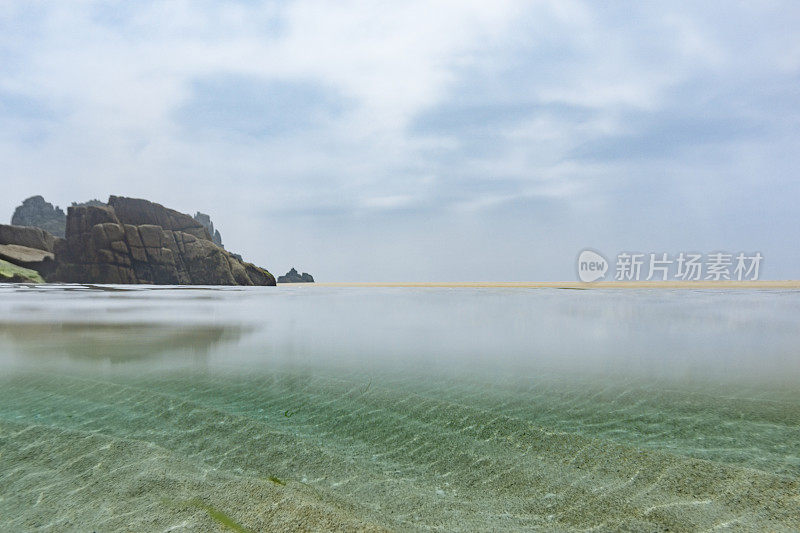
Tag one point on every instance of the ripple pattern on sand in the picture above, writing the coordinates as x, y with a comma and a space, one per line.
329, 451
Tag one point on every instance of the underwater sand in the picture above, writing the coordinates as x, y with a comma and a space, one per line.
398, 409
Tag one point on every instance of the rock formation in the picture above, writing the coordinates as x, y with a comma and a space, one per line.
28, 236
293, 277
34, 211
127, 240
131, 240
27, 247
205, 220
31, 258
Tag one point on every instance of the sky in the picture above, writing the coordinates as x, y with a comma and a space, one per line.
418, 141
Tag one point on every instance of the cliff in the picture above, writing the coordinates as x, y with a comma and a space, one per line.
131, 240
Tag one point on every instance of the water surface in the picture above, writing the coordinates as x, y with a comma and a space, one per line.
166, 408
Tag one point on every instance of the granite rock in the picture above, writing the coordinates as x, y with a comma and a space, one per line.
35, 211
30, 258
131, 240
205, 220
294, 277
29, 236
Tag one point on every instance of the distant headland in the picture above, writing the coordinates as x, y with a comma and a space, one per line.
122, 241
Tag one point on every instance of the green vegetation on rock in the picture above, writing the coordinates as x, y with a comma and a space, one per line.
11, 273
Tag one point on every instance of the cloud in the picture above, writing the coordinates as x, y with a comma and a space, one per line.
256, 108
303, 117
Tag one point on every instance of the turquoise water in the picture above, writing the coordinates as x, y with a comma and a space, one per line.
315, 408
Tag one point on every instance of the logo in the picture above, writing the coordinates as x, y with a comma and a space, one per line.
591, 266
684, 266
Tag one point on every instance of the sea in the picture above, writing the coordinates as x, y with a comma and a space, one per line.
326, 408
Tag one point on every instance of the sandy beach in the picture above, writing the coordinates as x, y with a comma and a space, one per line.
716, 285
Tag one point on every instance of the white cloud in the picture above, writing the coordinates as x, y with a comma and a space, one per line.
527, 88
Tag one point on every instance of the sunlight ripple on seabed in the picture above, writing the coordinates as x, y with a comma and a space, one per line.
251, 410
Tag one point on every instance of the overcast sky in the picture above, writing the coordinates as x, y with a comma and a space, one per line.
418, 141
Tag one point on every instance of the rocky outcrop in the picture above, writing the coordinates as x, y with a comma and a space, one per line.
22, 255
257, 275
28, 236
293, 277
131, 240
31, 258
34, 211
205, 220
139, 212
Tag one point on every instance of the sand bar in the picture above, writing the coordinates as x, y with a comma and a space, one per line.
761, 284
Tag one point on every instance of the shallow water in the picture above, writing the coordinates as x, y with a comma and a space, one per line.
164, 408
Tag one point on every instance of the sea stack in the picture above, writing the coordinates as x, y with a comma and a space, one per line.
294, 277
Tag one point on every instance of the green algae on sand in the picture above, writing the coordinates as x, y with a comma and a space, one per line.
218, 516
